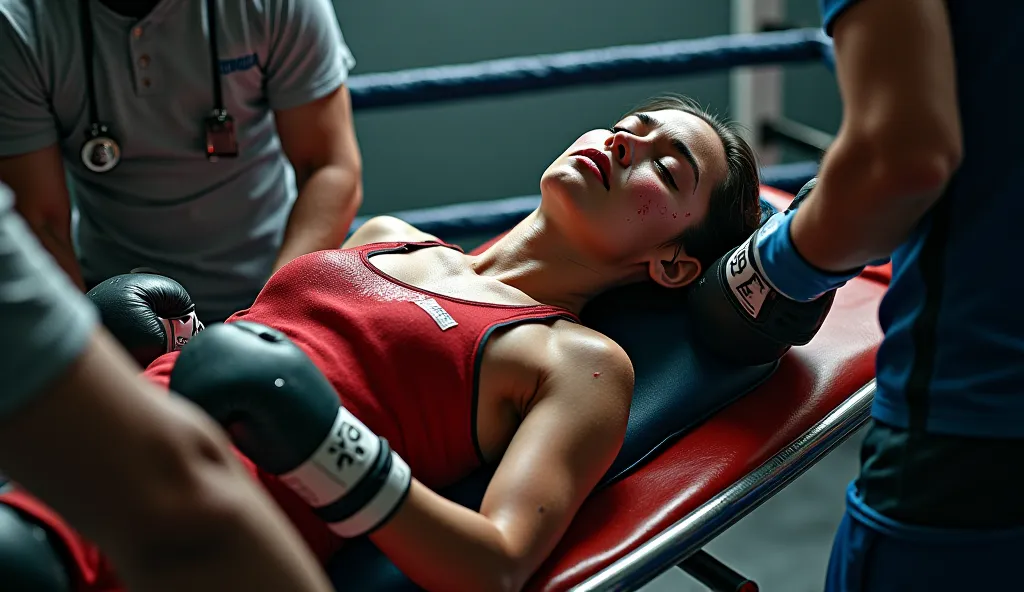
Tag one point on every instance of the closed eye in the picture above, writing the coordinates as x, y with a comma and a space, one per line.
666, 174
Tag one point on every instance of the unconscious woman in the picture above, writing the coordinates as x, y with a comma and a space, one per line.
462, 360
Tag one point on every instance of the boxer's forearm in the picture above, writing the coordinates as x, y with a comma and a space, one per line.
865, 205
900, 140
442, 546
152, 481
323, 212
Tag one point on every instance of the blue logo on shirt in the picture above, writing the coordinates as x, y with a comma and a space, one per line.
238, 64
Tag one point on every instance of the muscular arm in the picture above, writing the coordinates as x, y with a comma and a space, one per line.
307, 66
900, 139
30, 155
320, 141
567, 440
151, 479
146, 476
37, 179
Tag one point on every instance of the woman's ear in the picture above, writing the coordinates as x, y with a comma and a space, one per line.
676, 273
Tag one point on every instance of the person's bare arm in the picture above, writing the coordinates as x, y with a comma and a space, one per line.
152, 481
900, 139
569, 437
319, 140
37, 179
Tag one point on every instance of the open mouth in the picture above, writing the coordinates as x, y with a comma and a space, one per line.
600, 161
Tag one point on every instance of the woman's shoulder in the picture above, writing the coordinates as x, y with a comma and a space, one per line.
582, 344
568, 352
386, 229
581, 366
561, 348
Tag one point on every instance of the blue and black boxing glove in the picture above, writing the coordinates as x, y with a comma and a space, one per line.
769, 257
762, 298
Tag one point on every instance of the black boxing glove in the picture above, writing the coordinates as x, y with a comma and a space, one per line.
148, 314
29, 555
739, 315
283, 414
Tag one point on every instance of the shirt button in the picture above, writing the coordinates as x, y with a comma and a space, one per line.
146, 83
137, 32
144, 61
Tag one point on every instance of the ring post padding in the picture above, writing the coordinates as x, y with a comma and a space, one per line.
755, 93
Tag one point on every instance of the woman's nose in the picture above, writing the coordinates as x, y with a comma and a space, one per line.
622, 146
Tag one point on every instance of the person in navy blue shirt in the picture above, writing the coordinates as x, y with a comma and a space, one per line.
925, 169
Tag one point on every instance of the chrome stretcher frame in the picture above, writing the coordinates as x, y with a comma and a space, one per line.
688, 536
681, 543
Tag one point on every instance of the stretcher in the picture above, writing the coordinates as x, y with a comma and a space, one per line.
708, 440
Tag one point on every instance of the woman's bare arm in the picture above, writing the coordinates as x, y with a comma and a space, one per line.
569, 437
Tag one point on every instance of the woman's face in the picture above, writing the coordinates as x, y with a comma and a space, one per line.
624, 193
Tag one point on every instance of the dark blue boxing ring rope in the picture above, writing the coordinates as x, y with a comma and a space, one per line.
421, 86
593, 66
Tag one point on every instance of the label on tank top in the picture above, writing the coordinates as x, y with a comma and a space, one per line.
745, 281
436, 312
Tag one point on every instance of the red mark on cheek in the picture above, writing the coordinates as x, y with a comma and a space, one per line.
597, 374
644, 209
675, 215
664, 210
687, 214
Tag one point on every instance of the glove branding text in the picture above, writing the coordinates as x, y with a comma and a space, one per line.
745, 281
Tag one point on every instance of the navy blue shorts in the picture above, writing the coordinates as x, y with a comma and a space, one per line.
873, 553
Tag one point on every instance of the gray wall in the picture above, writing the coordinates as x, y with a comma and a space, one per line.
498, 147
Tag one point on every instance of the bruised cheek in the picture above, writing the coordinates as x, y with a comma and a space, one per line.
650, 203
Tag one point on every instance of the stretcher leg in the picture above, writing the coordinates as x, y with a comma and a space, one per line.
715, 575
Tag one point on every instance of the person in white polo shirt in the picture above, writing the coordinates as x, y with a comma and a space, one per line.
209, 140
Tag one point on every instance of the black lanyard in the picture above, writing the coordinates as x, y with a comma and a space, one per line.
211, 26
101, 152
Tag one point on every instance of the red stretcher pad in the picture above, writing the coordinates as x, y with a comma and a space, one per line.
811, 381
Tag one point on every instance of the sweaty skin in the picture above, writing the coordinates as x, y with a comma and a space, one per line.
554, 397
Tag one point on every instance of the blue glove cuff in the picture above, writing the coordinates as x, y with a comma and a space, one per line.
786, 270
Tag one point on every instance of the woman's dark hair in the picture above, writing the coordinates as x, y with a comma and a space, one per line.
734, 210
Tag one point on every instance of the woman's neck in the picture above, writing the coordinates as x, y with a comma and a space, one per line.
537, 259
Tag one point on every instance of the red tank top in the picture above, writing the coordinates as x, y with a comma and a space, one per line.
403, 360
